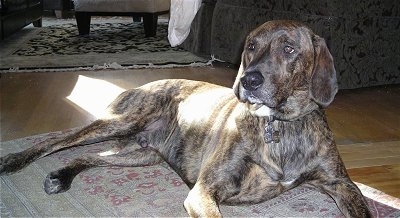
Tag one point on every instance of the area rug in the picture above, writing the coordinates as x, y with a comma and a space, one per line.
153, 191
112, 43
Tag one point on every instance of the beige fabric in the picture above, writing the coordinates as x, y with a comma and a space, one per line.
149, 6
182, 14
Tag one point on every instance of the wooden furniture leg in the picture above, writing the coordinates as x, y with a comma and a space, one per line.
83, 22
150, 24
37, 23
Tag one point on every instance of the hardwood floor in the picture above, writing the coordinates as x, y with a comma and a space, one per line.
366, 122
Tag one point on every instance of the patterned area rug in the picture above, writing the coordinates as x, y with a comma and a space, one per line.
112, 43
153, 191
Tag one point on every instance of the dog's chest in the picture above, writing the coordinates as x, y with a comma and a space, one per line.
287, 159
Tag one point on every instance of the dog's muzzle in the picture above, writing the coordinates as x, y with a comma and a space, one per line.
252, 80
249, 85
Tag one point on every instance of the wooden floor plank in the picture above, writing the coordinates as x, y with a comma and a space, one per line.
370, 154
350, 164
385, 178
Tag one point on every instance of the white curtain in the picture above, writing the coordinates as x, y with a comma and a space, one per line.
182, 13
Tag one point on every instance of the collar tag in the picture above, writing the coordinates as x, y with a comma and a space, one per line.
270, 135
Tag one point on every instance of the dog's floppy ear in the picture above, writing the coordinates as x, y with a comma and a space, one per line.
323, 80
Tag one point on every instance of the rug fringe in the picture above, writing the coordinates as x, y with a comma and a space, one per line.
109, 66
379, 196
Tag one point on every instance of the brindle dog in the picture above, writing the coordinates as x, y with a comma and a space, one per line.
247, 145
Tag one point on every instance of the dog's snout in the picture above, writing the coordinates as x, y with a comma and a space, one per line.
252, 80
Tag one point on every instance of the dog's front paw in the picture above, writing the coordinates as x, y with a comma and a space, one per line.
11, 163
57, 182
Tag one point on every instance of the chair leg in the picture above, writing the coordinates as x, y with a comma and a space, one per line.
150, 24
83, 22
37, 23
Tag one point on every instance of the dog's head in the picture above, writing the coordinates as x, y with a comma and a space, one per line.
287, 68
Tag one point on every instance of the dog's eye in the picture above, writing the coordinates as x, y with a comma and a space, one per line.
251, 46
288, 49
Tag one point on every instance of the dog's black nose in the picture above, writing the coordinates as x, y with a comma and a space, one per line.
252, 80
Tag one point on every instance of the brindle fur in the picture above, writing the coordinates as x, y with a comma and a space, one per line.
213, 137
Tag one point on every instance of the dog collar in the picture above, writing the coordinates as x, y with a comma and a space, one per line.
271, 135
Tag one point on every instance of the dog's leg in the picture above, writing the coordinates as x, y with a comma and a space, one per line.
200, 203
347, 196
60, 180
100, 130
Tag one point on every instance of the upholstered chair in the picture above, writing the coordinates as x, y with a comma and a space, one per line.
148, 9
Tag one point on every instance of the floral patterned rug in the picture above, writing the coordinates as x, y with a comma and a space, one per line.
153, 191
111, 42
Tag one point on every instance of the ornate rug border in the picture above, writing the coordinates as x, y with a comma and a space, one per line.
112, 61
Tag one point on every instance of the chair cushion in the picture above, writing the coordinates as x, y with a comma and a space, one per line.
146, 6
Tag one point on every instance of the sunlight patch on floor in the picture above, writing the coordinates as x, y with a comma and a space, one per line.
94, 95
